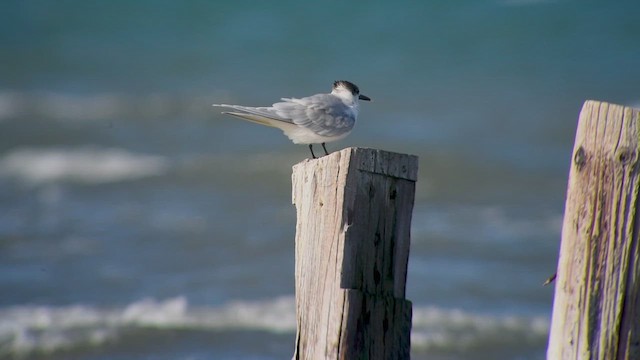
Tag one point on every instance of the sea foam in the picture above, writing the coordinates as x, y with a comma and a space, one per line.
26, 329
88, 165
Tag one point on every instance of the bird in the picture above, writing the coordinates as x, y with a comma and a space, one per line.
315, 119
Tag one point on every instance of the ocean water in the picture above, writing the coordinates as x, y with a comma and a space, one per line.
137, 222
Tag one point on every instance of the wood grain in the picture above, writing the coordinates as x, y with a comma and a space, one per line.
596, 307
352, 247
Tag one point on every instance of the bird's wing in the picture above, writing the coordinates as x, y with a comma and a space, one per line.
261, 115
324, 114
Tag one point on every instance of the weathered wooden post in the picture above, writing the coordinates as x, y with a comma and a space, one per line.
596, 310
352, 247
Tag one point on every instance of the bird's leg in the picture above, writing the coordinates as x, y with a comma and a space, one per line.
325, 149
312, 154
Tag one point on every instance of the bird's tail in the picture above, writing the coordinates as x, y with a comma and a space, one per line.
258, 115
255, 118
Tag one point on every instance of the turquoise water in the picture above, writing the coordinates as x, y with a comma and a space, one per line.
137, 222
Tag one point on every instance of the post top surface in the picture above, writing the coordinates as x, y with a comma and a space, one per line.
403, 166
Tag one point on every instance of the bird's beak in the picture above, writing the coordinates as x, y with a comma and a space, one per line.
365, 98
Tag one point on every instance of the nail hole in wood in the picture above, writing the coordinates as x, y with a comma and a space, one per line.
580, 158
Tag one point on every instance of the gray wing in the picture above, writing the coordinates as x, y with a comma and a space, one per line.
324, 114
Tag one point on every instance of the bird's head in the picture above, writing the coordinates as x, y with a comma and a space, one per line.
348, 91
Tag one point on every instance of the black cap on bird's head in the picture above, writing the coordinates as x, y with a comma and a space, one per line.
351, 87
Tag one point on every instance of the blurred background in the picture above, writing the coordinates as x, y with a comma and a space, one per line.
137, 222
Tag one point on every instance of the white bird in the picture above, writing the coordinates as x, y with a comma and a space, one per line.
316, 119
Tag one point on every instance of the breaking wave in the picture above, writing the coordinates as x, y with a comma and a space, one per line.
28, 329
84, 165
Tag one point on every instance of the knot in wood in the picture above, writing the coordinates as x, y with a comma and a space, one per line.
377, 276
580, 158
372, 191
625, 155
393, 194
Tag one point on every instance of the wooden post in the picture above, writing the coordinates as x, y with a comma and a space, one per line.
352, 247
596, 310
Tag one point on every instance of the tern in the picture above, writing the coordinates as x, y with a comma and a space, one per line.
315, 119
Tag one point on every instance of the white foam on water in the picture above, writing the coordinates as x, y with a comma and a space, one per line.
84, 165
27, 329
437, 328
